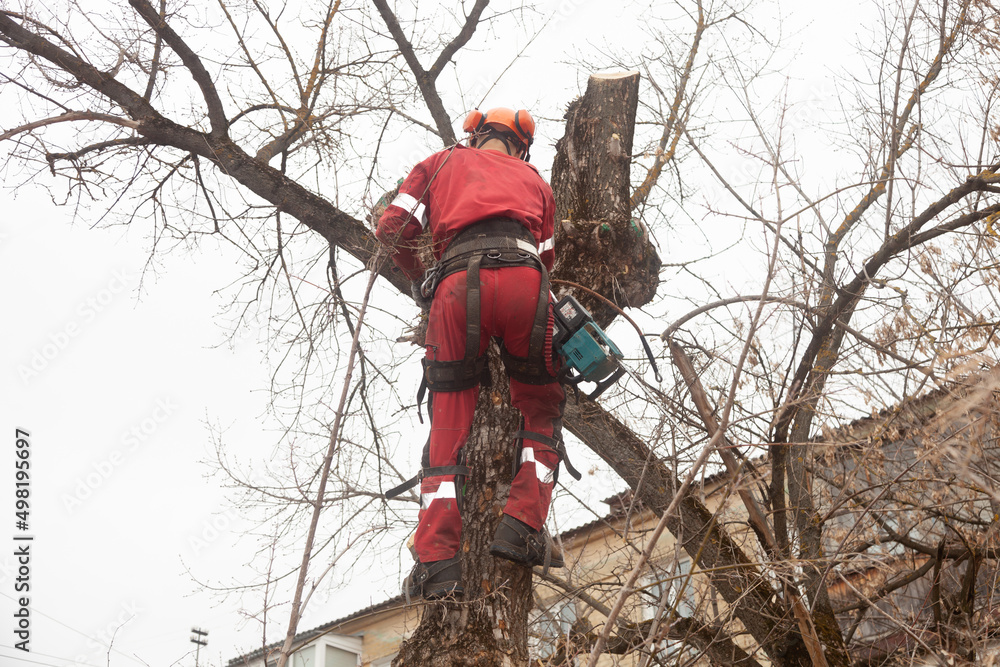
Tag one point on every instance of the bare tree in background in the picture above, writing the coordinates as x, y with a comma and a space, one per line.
874, 292
864, 283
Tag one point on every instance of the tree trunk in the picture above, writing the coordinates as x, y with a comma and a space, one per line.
489, 627
598, 244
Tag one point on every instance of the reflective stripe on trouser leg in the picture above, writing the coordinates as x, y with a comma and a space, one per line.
531, 490
445, 491
439, 525
439, 529
545, 474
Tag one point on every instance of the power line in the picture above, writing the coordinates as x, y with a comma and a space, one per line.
56, 657
82, 634
38, 662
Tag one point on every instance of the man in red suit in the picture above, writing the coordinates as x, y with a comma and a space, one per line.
491, 218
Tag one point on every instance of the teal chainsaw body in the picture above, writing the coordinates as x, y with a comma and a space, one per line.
586, 351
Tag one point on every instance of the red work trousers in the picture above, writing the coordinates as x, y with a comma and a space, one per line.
508, 299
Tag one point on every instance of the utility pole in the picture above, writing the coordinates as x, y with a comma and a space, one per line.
200, 637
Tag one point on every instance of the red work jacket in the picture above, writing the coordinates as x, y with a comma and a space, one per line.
457, 187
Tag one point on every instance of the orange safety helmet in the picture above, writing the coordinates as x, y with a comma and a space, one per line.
519, 122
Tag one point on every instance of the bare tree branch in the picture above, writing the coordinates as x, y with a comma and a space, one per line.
216, 113
69, 116
426, 78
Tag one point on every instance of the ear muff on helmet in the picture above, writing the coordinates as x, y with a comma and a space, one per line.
524, 125
474, 121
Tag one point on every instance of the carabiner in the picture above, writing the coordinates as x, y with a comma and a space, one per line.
429, 285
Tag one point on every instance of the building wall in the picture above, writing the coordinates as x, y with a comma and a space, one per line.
382, 633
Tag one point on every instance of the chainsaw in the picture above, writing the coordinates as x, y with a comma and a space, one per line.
587, 352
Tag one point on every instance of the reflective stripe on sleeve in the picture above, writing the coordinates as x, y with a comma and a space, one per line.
445, 491
542, 471
547, 244
411, 205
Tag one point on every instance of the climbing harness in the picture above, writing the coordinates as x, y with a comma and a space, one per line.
496, 242
487, 244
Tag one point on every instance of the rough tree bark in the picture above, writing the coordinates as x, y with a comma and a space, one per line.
598, 243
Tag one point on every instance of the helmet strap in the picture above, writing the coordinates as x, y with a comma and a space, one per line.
489, 133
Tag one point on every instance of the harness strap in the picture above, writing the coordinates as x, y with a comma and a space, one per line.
472, 308
453, 375
490, 229
556, 444
460, 248
438, 471
536, 346
402, 488
502, 242
449, 376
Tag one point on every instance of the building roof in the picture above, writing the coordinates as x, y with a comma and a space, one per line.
307, 636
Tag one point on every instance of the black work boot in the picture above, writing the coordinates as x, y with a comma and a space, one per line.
435, 580
519, 542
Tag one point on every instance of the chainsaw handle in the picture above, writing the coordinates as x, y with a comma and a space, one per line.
604, 384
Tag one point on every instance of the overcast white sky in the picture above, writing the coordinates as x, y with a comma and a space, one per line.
115, 385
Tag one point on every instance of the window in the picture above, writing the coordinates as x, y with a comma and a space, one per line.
547, 626
327, 650
304, 657
673, 577
338, 657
